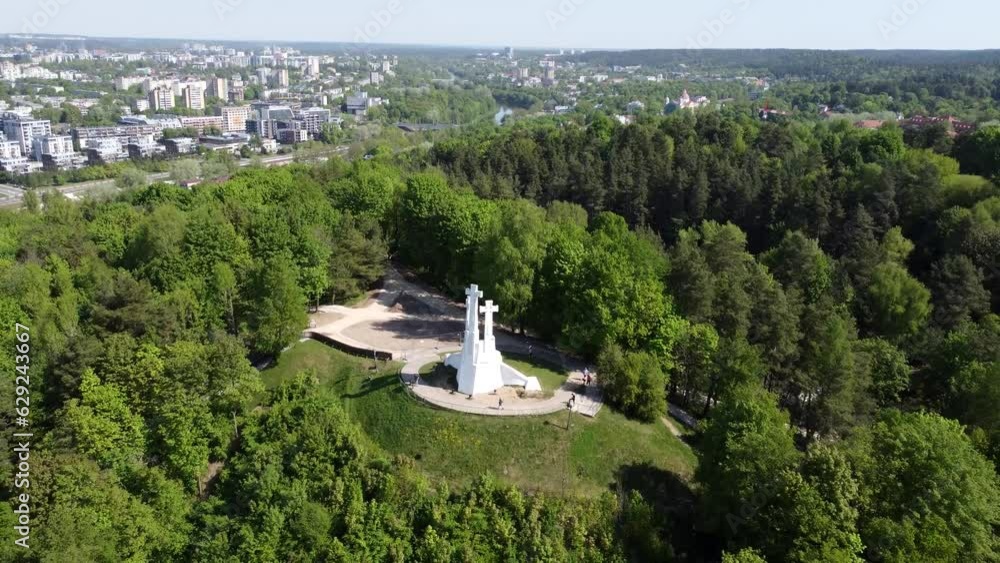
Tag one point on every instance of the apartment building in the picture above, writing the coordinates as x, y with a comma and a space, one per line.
234, 118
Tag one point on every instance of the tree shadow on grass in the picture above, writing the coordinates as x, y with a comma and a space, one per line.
373, 385
672, 498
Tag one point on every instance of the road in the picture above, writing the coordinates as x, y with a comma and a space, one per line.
11, 196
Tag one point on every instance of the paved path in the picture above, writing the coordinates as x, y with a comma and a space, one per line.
588, 399
421, 338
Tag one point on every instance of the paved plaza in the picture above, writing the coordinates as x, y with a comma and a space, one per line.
419, 328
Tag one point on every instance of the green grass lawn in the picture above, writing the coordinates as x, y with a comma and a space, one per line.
550, 377
535, 453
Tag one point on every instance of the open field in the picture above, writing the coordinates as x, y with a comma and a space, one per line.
536, 453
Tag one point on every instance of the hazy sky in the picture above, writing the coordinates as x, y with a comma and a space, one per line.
846, 24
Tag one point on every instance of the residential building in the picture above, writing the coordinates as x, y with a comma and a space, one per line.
24, 131
269, 146
292, 136
180, 145
281, 78
956, 127
141, 106
104, 151
194, 97
359, 105
126, 82
150, 84
13, 160
231, 143
56, 151
218, 88
314, 118
312, 66
201, 123
161, 99
10, 150
143, 146
234, 118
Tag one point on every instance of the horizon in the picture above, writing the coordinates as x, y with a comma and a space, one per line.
471, 47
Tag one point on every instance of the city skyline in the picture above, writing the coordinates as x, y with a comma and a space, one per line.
722, 24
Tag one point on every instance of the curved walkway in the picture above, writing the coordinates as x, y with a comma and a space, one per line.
588, 399
382, 328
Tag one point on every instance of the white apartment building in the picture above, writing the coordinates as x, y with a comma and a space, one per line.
312, 66
126, 82
194, 97
10, 150
234, 118
53, 145
161, 99
25, 131
202, 122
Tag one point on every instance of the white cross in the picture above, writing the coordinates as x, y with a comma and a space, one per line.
488, 310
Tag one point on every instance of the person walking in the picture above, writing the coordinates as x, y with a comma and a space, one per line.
500, 405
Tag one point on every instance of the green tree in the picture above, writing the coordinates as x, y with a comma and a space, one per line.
896, 305
889, 369
747, 443
132, 178
508, 262
926, 493
277, 310
959, 296
102, 425
634, 383
358, 257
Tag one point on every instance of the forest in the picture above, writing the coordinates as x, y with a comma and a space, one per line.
823, 298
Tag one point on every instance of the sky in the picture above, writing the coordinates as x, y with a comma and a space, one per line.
588, 24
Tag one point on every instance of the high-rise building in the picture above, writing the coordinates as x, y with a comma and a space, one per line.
161, 99
281, 78
375, 78
234, 118
218, 88
25, 131
313, 119
510, 53
312, 66
194, 97
262, 75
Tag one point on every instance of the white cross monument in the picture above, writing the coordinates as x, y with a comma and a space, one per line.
480, 365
